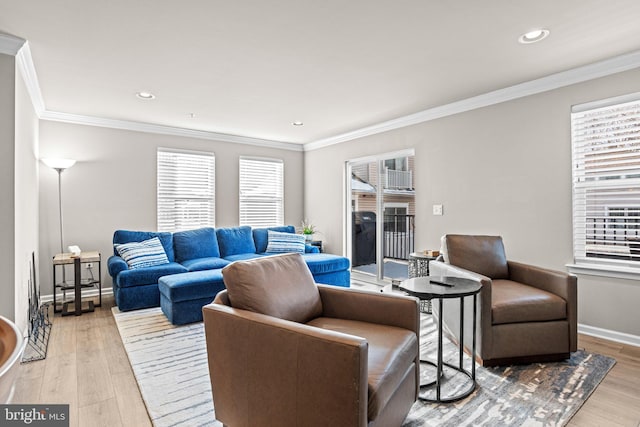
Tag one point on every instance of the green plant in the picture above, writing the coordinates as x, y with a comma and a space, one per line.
307, 227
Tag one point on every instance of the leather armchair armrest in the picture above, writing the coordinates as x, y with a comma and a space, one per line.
439, 268
381, 308
484, 333
115, 265
557, 282
260, 364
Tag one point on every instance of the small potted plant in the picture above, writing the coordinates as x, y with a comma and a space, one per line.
308, 230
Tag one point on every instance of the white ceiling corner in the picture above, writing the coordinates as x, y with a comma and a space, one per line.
10, 45
247, 70
577, 75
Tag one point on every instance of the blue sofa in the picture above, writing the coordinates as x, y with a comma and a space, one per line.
193, 275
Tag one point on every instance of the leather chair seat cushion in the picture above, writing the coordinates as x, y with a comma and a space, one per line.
279, 286
391, 352
513, 302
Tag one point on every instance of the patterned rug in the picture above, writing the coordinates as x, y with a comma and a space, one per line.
170, 365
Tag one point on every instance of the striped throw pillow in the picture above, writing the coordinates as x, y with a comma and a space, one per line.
279, 243
143, 254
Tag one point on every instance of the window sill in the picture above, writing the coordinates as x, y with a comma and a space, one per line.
616, 272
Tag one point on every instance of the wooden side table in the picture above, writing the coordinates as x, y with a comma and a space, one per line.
78, 283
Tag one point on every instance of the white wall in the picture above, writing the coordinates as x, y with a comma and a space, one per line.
503, 169
26, 198
113, 185
7, 168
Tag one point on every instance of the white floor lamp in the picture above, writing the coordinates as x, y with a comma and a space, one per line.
60, 165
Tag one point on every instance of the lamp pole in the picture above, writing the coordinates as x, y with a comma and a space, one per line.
60, 170
59, 165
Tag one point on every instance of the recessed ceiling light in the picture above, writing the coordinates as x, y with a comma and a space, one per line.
145, 95
297, 123
533, 36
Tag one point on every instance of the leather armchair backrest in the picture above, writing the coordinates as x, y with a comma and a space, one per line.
480, 254
280, 286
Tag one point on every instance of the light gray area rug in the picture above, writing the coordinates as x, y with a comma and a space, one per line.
170, 366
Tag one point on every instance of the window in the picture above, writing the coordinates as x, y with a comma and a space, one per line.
261, 192
606, 182
186, 189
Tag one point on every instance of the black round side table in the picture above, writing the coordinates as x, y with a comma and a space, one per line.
441, 288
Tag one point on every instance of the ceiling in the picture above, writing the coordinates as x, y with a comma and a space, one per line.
251, 68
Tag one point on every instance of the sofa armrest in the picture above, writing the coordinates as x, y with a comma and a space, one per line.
297, 373
310, 249
557, 282
381, 308
115, 265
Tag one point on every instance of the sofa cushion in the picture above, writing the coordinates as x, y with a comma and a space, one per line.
391, 351
126, 236
192, 285
235, 240
149, 275
261, 238
280, 286
325, 263
480, 254
282, 243
513, 302
244, 257
209, 263
192, 244
143, 254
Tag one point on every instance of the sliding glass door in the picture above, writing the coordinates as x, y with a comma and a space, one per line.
379, 217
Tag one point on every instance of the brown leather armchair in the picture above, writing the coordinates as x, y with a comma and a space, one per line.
526, 314
284, 351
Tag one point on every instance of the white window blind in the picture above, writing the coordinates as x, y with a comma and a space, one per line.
261, 192
186, 189
606, 182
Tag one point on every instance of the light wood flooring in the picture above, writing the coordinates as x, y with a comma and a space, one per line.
87, 367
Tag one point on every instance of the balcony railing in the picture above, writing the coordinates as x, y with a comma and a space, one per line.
398, 236
616, 238
397, 179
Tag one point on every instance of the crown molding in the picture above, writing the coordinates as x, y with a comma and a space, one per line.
10, 45
28, 71
18, 47
554, 81
165, 130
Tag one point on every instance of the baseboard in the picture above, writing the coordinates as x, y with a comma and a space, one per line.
85, 293
610, 335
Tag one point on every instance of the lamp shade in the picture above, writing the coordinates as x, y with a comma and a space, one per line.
59, 163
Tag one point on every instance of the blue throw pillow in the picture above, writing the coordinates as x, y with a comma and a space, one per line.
261, 237
280, 243
143, 254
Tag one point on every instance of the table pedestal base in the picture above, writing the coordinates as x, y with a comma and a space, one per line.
463, 387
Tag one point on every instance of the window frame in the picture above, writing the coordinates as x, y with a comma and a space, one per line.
598, 174
277, 198
206, 216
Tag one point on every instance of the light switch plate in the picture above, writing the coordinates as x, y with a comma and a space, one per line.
437, 209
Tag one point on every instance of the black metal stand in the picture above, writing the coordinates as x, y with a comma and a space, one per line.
77, 300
